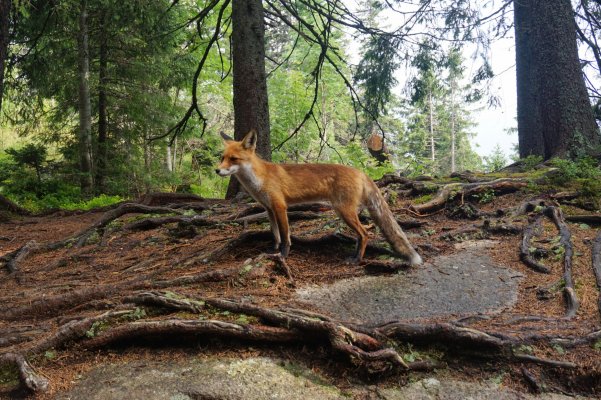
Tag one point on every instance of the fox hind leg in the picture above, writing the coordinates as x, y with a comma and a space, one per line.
351, 218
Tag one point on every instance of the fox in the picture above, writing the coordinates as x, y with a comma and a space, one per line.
277, 186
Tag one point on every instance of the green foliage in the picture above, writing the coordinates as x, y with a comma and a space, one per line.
487, 196
375, 73
531, 162
568, 171
357, 157
29, 155
96, 328
149, 64
496, 160
438, 121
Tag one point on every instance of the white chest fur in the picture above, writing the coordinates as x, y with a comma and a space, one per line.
252, 183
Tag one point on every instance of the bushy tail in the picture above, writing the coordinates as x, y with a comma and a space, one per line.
383, 217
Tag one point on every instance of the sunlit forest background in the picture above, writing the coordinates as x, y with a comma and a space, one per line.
142, 60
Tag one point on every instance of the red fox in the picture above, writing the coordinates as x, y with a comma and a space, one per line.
276, 186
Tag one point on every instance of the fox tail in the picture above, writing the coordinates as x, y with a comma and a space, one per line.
383, 217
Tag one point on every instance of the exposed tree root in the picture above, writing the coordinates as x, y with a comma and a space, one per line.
499, 186
252, 237
531, 380
566, 241
544, 361
441, 333
28, 377
156, 222
53, 305
7, 204
13, 260
165, 198
280, 263
80, 238
525, 255
596, 256
362, 343
389, 179
72, 330
587, 219
178, 327
341, 338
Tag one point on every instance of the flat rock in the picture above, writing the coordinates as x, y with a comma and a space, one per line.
254, 378
448, 389
461, 284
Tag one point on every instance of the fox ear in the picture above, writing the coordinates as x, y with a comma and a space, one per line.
250, 140
226, 137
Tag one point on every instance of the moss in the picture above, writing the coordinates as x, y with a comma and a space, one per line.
423, 199
9, 375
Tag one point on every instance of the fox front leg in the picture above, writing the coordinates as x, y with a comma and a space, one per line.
274, 229
279, 210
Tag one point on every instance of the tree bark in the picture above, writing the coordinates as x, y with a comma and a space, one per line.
85, 117
453, 133
102, 109
251, 110
5, 6
555, 117
432, 147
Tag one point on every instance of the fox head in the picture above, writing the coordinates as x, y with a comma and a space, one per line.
236, 153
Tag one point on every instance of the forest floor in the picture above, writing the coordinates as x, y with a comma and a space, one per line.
167, 279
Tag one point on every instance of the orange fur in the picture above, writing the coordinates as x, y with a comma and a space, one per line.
276, 186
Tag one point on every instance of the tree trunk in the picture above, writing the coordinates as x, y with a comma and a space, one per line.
555, 118
5, 6
453, 133
169, 158
102, 113
432, 144
251, 109
85, 117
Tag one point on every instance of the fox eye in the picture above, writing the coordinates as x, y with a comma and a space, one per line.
234, 159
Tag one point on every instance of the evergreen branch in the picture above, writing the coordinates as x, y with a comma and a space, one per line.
178, 128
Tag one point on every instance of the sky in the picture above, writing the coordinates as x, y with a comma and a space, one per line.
493, 123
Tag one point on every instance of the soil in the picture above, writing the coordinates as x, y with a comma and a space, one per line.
117, 259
